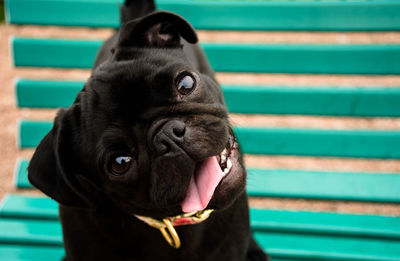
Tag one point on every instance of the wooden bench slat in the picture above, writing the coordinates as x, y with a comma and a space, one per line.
61, 53
324, 185
315, 142
21, 174
32, 93
372, 187
317, 247
278, 141
355, 101
30, 253
323, 235
43, 253
28, 207
385, 227
30, 232
30, 133
255, 58
279, 244
237, 15
38, 233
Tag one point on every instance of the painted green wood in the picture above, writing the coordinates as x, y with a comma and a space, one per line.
262, 220
278, 244
224, 57
277, 141
284, 234
21, 174
324, 185
305, 58
334, 248
30, 253
54, 52
327, 223
209, 14
355, 101
358, 101
315, 142
40, 253
28, 207
30, 232
46, 93
30, 133
373, 187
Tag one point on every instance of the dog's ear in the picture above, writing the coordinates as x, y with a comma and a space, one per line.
159, 29
50, 167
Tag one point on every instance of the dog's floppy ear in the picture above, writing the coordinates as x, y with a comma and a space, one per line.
48, 169
159, 29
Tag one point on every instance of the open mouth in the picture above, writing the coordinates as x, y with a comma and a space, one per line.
208, 175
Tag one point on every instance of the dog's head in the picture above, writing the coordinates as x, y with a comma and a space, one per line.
148, 133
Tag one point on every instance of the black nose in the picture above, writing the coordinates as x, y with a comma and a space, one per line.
170, 135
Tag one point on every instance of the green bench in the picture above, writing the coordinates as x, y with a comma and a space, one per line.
347, 15
28, 224
29, 227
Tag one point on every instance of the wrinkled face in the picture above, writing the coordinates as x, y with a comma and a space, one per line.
161, 135
149, 131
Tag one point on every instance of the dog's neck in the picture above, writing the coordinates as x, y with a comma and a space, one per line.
167, 224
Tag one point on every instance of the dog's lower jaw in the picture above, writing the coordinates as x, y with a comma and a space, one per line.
87, 229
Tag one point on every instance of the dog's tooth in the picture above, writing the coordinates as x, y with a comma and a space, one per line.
224, 152
229, 164
228, 167
223, 159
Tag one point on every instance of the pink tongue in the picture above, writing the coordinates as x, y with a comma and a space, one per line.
202, 185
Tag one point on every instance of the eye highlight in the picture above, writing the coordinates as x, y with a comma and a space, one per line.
119, 165
186, 84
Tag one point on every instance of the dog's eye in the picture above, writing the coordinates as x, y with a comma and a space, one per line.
186, 84
120, 165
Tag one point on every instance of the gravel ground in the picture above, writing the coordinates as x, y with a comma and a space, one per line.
9, 112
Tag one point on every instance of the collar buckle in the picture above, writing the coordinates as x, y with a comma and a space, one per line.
166, 225
172, 237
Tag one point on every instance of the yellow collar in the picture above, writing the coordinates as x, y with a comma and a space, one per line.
169, 224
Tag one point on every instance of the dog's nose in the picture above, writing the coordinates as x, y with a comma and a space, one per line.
170, 135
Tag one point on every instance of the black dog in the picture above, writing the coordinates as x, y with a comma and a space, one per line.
146, 140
